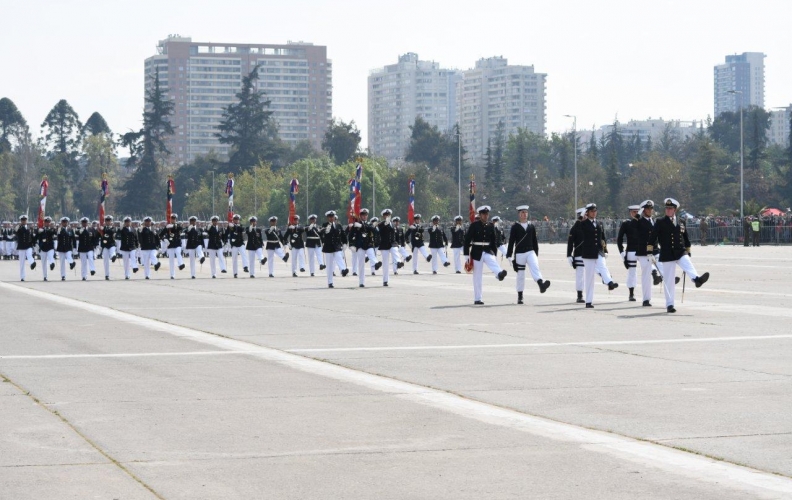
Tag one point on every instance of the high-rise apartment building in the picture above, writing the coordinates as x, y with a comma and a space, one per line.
778, 133
743, 73
398, 93
202, 78
494, 92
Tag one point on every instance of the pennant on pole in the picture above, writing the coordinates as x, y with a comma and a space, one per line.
104, 191
229, 190
472, 209
355, 200
171, 192
411, 204
294, 189
43, 188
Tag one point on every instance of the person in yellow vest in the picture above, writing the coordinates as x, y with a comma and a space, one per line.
755, 227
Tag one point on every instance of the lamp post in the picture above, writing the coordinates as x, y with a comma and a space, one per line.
574, 143
459, 170
213, 192
742, 156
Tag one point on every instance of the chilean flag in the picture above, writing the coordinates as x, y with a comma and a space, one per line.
43, 188
171, 191
294, 189
355, 200
472, 210
411, 204
105, 190
229, 190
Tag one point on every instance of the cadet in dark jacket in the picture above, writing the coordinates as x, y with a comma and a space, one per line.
215, 241
574, 255
457, 242
313, 243
65, 243
674, 244
46, 238
590, 237
387, 244
480, 246
437, 243
171, 236
194, 244
25, 238
128, 243
401, 243
235, 234
524, 249
628, 231
294, 238
108, 244
500, 239
148, 247
254, 245
361, 237
415, 237
86, 243
274, 241
333, 247
646, 239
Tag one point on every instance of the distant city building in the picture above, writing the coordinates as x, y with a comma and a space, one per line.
779, 126
494, 92
743, 73
653, 128
398, 93
202, 78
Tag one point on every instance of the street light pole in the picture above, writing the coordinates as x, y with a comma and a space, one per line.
459, 170
574, 144
213, 192
742, 155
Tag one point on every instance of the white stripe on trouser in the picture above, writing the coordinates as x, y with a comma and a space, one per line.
147, 257
371, 253
669, 271
646, 277
107, 255
529, 260
86, 263
298, 259
270, 261
580, 272
331, 261
457, 259
174, 254
215, 255
46, 259
241, 252
361, 265
65, 258
194, 253
254, 256
127, 256
438, 253
315, 257
422, 250
487, 259
24, 256
632, 272
386, 255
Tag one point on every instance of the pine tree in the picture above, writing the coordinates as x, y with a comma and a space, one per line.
12, 124
96, 125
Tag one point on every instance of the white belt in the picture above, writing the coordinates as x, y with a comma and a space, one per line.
312, 237
481, 243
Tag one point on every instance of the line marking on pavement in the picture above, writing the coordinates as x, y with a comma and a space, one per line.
540, 344
121, 355
649, 454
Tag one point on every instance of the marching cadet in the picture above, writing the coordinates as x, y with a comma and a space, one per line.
500, 240
65, 243
108, 244
275, 243
46, 238
628, 231
136, 260
457, 242
362, 239
333, 247
235, 234
575, 257
481, 248
670, 232
24, 238
386, 243
590, 235
148, 247
215, 240
128, 241
437, 243
254, 245
97, 241
415, 235
171, 237
194, 244
294, 238
5, 239
525, 249
644, 229
313, 242
375, 263
400, 241
86, 237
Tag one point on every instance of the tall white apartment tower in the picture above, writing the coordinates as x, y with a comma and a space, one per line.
202, 78
494, 92
398, 93
743, 73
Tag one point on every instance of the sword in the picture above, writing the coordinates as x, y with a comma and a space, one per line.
684, 275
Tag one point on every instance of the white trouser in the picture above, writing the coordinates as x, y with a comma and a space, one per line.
487, 259
127, 256
241, 252
579, 274
47, 258
174, 254
602, 270
395, 257
25, 257
164, 246
194, 253
502, 250
254, 256
11, 247
403, 252
331, 261
86, 263
592, 267
371, 253
530, 260
215, 255
353, 259
438, 255
107, 255
270, 261
423, 251
457, 259
314, 257
646, 277
669, 272
386, 255
632, 271
361, 265
65, 257
147, 257
298, 259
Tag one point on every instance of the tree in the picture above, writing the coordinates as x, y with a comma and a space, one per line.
96, 125
725, 130
98, 158
705, 174
341, 141
62, 129
247, 127
613, 167
12, 124
143, 190
427, 144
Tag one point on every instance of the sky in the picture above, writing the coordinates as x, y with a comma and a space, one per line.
604, 59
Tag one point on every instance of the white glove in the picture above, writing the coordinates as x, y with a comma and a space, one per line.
387, 223
40, 230
571, 260
623, 254
357, 225
291, 227
230, 224
312, 226
328, 229
412, 227
190, 228
354, 249
205, 235
169, 226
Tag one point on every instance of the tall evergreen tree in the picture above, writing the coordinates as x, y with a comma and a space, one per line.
341, 141
593, 148
62, 129
96, 125
497, 154
12, 124
613, 168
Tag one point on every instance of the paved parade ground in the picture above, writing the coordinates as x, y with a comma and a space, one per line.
281, 388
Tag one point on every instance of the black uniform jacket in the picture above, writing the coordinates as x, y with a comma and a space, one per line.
522, 240
480, 239
437, 237
673, 239
333, 237
590, 237
148, 239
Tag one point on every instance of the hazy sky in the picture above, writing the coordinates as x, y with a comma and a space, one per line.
606, 58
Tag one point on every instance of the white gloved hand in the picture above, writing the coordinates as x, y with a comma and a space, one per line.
354, 249
169, 226
312, 226
623, 254
357, 225
40, 230
230, 224
387, 223
190, 227
571, 260
328, 229
412, 227
291, 227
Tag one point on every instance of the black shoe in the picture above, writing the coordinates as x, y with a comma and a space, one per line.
676, 280
223, 271
302, 269
408, 259
656, 278
415, 272
579, 300
670, 309
478, 303
263, 261
373, 273
252, 276
245, 269
107, 278
52, 266
354, 274
173, 278
271, 275
502, 275
85, 279
361, 285
632, 295
646, 303
589, 305
312, 274
286, 259
135, 270
193, 277
399, 265
446, 264
203, 259
344, 272
294, 275
113, 259
235, 276
385, 283
701, 280
459, 272
612, 285
93, 272
21, 280
127, 277
396, 272
377, 266
429, 259
322, 267
434, 272
181, 267
543, 285
146, 278
519, 297
157, 266
367, 259
330, 286
32, 266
